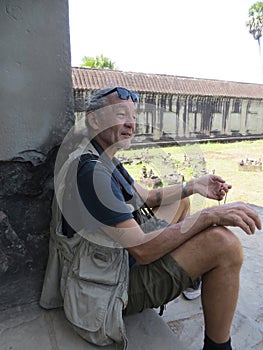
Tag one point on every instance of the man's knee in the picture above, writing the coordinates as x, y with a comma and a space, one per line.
227, 245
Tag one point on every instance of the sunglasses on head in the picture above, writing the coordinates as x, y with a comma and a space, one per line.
123, 94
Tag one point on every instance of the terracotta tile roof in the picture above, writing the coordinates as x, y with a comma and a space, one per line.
88, 78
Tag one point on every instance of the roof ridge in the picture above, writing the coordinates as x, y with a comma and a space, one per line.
164, 75
86, 78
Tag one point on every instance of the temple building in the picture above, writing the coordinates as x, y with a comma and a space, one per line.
181, 108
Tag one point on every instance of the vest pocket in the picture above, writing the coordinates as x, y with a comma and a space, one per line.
85, 304
95, 293
98, 264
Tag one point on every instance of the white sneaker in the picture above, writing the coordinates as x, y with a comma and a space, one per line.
193, 293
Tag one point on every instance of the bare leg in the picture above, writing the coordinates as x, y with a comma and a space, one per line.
216, 254
174, 212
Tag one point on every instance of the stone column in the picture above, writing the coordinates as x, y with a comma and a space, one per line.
36, 112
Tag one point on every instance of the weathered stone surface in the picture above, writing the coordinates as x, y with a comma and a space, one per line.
36, 113
13, 249
29, 327
26, 191
36, 86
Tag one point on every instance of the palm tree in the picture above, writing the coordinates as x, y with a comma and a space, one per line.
255, 25
101, 62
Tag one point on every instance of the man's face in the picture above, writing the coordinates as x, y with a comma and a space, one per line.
116, 124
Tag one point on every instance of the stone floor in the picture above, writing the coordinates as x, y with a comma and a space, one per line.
30, 328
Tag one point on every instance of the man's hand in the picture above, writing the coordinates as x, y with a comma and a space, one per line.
211, 186
236, 214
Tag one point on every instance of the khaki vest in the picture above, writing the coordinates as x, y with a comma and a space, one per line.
88, 275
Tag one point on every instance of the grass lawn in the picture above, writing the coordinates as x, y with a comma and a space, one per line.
190, 160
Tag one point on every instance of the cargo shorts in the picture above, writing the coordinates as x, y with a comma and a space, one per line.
157, 283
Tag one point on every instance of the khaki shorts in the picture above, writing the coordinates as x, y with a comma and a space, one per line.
153, 285
157, 283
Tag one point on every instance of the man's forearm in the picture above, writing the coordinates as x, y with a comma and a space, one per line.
169, 238
170, 194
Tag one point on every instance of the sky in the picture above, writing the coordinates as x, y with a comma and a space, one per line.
192, 38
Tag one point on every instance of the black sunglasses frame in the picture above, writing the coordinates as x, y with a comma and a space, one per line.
123, 94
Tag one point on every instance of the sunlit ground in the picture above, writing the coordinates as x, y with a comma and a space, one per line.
194, 160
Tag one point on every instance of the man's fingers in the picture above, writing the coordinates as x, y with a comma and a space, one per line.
254, 216
218, 178
227, 187
250, 223
251, 218
243, 216
257, 221
241, 220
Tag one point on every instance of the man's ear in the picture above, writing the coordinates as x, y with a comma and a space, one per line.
91, 120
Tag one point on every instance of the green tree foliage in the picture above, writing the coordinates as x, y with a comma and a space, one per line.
255, 25
255, 21
101, 62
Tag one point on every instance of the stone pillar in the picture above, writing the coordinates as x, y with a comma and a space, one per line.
243, 116
181, 119
36, 112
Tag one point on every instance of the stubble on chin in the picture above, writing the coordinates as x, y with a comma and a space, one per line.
124, 144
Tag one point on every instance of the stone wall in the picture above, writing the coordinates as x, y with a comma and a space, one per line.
189, 117
186, 117
36, 113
